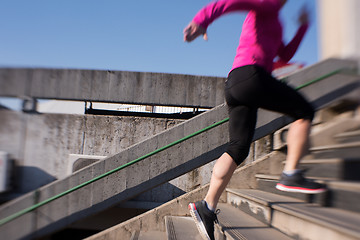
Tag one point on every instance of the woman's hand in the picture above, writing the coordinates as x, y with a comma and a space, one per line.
304, 16
192, 31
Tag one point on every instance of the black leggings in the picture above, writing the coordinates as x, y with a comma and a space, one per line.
249, 88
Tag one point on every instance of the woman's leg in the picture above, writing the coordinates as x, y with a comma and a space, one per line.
292, 179
241, 130
298, 142
242, 121
286, 100
221, 175
281, 98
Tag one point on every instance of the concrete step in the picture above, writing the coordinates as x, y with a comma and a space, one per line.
341, 194
233, 225
332, 168
297, 218
236, 225
350, 136
342, 150
181, 228
268, 182
150, 235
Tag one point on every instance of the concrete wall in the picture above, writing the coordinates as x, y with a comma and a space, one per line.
338, 28
113, 86
41, 143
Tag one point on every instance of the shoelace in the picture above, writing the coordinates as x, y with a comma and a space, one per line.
215, 219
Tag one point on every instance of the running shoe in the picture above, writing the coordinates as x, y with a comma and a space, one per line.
298, 183
204, 219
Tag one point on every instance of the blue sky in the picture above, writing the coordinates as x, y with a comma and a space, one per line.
128, 35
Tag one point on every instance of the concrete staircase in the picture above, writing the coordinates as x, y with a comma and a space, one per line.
263, 212
157, 169
332, 215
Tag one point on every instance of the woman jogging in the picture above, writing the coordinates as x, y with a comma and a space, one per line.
250, 86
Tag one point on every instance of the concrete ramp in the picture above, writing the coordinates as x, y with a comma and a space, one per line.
338, 81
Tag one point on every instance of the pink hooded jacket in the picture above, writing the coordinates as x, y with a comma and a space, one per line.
261, 36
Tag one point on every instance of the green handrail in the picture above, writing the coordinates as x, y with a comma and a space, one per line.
35, 206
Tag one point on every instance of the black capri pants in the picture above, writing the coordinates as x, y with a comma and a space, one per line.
249, 88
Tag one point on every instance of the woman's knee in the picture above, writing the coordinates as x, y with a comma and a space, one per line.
307, 114
238, 153
224, 167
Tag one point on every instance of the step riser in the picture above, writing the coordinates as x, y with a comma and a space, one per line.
341, 170
349, 153
303, 229
337, 198
344, 200
289, 224
348, 139
330, 171
349, 136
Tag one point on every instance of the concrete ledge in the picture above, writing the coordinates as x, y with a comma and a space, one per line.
77, 162
143, 88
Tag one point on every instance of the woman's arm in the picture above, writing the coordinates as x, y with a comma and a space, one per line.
285, 53
214, 10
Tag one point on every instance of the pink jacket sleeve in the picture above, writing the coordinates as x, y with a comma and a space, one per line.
285, 53
216, 9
